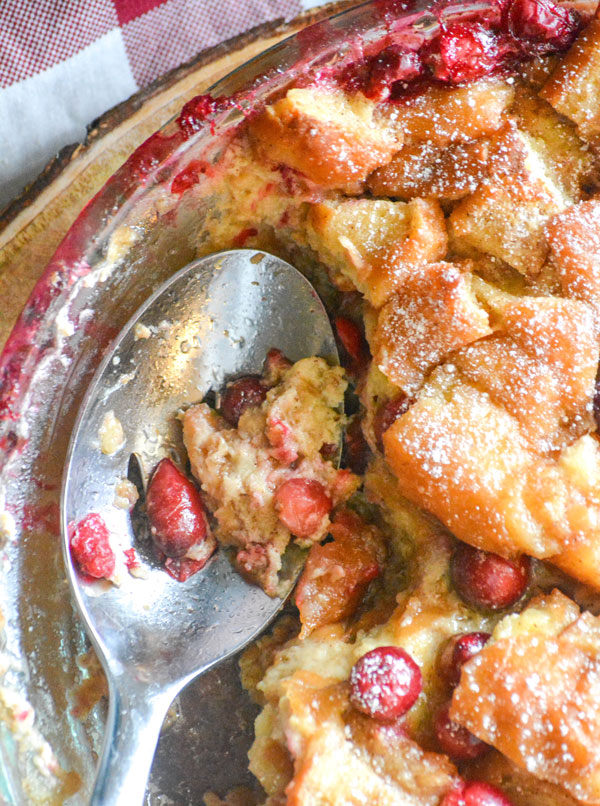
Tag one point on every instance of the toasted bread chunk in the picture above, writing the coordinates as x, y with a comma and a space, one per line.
573, 89
445, 115
426, 170
521, 788
491, 445
566, 158
376, 243
433, 314
574, 238
505, 216
532, 693
332, 138
352, 760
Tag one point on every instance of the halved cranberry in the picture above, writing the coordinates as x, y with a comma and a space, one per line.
353, 342
175, 511
460, 649
356, 449
456, 741
302, 505
548, 25
387, 415
385, 683
488, 581
476, 793
90, 547
241, 395
182, 569
466, 51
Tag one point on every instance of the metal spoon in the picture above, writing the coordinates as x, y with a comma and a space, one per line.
215, 319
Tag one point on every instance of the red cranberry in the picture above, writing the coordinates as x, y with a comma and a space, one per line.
476, 793
302, 505
456, 741
385, 683
274, 366
175, 511
90, 547
546, 24
488, 581
241, 395
391, 65
182, 569
387, 415
353, 342
460, 649
356, 448
466, 51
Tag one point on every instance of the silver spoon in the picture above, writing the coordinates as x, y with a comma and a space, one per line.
215, 319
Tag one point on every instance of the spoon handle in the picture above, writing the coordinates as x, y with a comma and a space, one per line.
132, 729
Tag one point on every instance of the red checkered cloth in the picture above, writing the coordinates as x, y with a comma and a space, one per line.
65, 62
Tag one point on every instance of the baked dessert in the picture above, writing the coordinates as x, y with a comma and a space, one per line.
442, 194
443, 197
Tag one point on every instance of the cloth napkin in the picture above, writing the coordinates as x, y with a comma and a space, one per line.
65, 62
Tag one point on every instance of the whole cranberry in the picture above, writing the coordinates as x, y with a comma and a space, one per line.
302, 506
466, 51
487, 581
546, 24
241, 395
387, 415
460, 649
476, 793
385, 683
391, 65
456, 741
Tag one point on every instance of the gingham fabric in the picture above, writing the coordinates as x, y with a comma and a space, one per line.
65, 62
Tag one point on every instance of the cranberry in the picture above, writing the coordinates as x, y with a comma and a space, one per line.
302, 505
385, 683
466, 51
353, 341
391, 65
241, 395
476, 793
456, 741
175, 511
460, 649
240, 239
275, 365
387, 415
548, 25
356, 448
182, 569
488, 581
90, 547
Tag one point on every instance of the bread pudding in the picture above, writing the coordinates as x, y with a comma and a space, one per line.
442, 195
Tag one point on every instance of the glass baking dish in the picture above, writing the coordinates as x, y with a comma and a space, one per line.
138, 230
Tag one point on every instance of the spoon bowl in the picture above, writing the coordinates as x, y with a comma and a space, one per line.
215, 319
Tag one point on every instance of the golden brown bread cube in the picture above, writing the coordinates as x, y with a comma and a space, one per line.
433, 314
333, 139
521, 788
573, 89
493, 444
506, 215
374, 243
533, 693
426, 170
445, 115
343, 757
574, 238
566, 158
